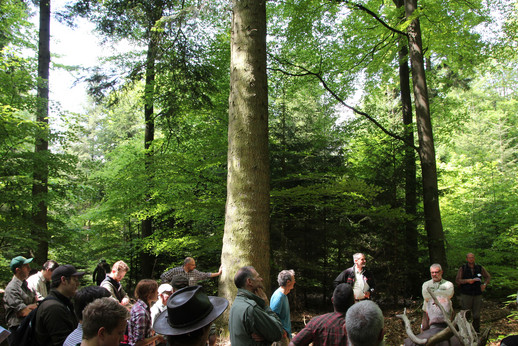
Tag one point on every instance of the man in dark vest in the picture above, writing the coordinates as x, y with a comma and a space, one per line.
473, 280
112, 282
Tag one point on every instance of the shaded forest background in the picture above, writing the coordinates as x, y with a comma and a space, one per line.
141, 174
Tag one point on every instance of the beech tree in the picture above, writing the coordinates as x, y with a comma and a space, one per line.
246, 238
426, 151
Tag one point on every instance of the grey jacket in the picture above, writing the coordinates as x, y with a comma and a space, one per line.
16, 298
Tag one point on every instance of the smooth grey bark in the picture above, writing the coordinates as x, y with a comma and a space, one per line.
432, 213
246, 239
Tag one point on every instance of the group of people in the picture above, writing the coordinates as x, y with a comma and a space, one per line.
178, 312
103, 314
255, 321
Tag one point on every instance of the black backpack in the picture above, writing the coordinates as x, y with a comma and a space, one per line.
25, 334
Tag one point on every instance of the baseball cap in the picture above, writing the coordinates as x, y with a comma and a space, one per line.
18, 261
66, 270
165, 288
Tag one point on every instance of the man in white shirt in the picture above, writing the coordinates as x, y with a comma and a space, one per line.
443, 290
40, 281
358, 277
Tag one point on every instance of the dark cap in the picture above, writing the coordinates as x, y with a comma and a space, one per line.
19, 261
67, 271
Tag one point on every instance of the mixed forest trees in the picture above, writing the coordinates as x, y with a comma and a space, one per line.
304, 180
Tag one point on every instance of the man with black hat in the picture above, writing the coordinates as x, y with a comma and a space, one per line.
55, 318
188, 317
19, 299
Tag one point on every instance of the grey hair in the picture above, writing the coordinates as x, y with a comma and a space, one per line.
187, 260
436, 265
284, 276
364, 323
357, 255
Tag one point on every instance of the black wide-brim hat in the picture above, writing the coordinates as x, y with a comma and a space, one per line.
189, 309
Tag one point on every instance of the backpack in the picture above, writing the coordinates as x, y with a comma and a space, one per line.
25, 334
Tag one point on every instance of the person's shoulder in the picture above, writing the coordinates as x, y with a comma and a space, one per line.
12, 285
245, 301
427, 282
106, 283
326, 318
277, 293
347, 270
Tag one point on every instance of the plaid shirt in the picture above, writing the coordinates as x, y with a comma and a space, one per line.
193, 276
327, 329
139, 326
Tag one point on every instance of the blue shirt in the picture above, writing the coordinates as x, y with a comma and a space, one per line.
75, 337
280, 305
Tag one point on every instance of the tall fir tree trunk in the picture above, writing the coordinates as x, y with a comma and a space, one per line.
39, 230
246, 239
411, 247
147, 261
432, 213
411, 244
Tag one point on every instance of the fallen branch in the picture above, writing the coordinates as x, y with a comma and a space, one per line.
409, 331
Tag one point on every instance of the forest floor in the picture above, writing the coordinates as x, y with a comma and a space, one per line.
494, 315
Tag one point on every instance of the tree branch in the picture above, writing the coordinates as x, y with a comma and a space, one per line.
372, 14
318, 75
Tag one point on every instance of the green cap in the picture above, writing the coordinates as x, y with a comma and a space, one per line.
18, 261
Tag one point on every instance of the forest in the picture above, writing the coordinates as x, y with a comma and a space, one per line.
287, 136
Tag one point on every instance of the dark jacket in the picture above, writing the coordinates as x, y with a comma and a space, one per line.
55, 319
474, 288
348, 277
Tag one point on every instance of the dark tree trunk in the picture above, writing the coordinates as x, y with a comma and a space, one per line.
432, 211
411, 245
246, 239
147, 260
410, 173
39, 230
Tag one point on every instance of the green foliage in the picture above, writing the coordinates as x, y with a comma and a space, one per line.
478, 179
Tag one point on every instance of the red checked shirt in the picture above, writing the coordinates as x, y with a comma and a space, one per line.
139, 326
323, 330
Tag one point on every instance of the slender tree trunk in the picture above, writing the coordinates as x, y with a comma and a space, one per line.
246, 239
40, 174
432, 211
411, 245
147, 261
